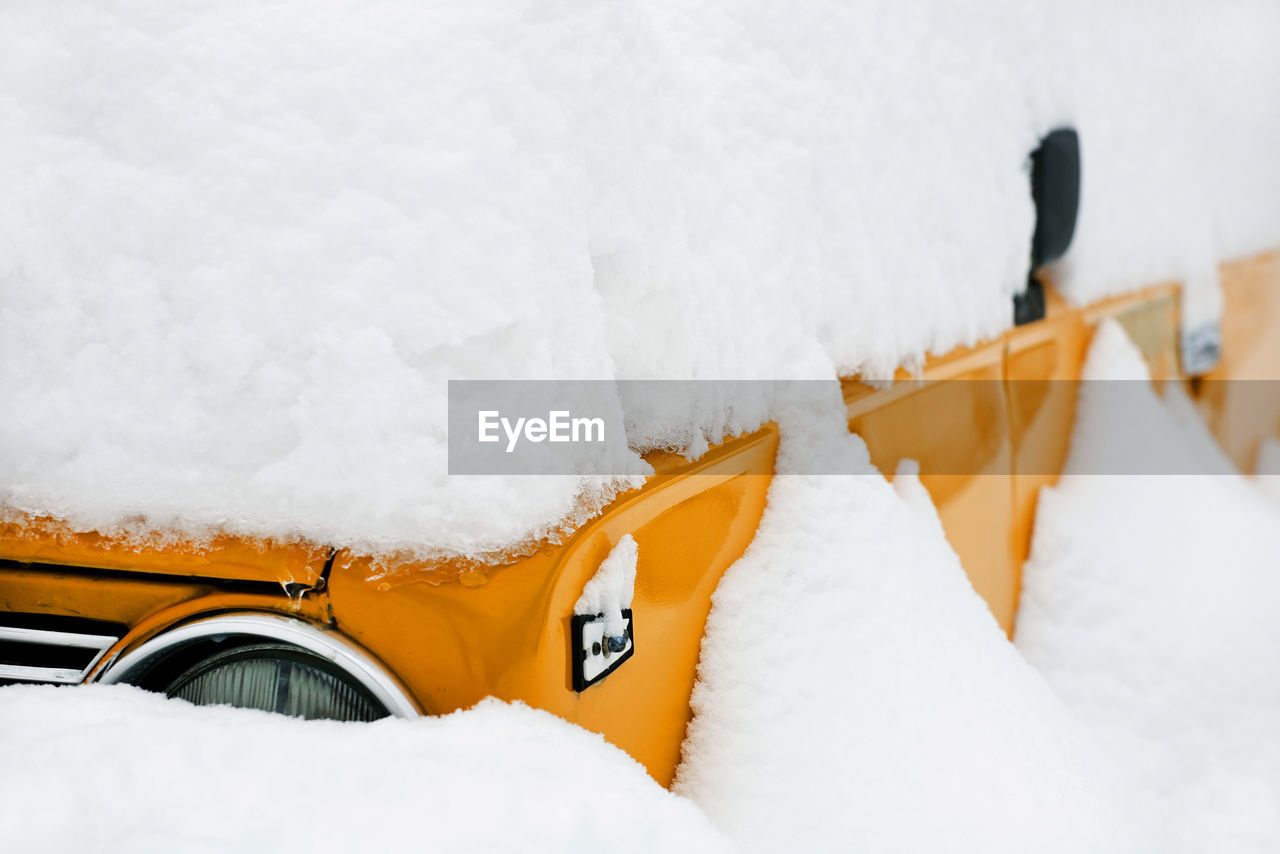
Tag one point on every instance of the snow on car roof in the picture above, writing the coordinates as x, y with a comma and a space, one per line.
243, 247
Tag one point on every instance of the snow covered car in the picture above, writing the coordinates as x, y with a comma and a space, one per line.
313, 631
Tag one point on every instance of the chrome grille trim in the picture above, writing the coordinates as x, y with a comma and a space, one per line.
56, 638
53, 675
16, 670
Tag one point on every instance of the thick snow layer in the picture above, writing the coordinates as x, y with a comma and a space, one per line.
1151, 604
854, 690
244, 245
117, 769
1178, 108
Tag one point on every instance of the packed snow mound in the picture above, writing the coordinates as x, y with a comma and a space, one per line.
244, 245
1151, 604
853, 690
89, 767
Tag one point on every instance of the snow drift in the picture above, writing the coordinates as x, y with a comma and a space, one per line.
89, 767
854, 691
1150, 605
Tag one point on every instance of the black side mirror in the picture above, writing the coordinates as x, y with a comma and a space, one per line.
1055, 189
